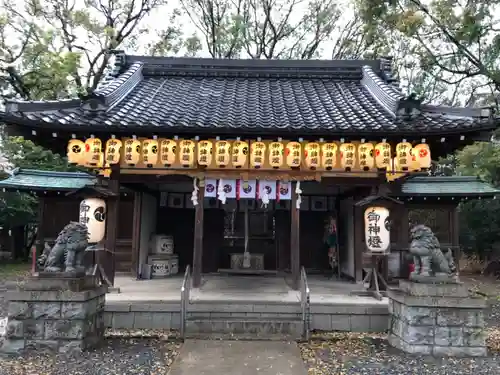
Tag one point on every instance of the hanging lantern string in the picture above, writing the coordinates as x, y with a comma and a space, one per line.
220, 192
194, 195
298, 191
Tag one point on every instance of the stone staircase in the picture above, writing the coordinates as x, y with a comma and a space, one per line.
244, 320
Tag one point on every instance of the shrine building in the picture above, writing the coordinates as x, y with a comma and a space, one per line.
247, 166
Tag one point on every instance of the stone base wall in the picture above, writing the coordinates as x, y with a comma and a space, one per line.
437, 322
324, 317
57, 320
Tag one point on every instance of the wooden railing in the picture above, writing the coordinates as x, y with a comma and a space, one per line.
185, 289
305, 302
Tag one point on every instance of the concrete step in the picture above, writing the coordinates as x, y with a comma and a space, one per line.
250, 328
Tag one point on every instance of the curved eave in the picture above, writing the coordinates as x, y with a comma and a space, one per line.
145, 130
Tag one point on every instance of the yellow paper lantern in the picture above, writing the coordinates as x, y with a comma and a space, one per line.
257, 154
347, 156
113, 149
150, 152
403, 155
329, 156
422, 153
293, 154
222, 153
312, 153
365, 156
93, 151
383, 155
414, 164
240, 154
132, 151
205, 153
186, 153
168, 149
276, 150
76, 152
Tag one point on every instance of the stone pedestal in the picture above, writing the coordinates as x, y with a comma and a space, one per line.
437, 319
55, 311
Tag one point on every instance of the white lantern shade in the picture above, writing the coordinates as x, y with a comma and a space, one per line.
293, 154
93, 215
113, 150
168, 150
377, 229
240, 154
276, 150
76, 152
422, 153
205, 153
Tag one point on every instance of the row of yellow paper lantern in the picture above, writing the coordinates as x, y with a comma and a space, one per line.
311, 155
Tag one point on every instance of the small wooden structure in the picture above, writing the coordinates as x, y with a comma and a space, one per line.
323, 134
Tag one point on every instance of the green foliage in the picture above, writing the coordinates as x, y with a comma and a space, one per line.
21, 208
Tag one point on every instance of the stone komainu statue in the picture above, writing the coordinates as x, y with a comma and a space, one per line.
68, 251
428, 257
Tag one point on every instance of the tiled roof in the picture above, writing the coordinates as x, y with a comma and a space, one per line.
447, 186
26, 179
320, 97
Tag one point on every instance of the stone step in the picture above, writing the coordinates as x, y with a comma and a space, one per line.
243, 315
257, 328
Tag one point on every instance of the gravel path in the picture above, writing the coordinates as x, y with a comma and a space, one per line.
360, 354
116, 357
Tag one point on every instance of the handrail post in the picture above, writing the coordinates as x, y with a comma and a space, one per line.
185, 300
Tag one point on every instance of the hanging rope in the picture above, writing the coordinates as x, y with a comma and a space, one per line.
194, 195
220, 192
298, 191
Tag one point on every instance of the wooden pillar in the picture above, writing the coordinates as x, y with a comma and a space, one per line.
136, 234
359, 242
113, 205
198, 237
295, 240
455, 234
40, 232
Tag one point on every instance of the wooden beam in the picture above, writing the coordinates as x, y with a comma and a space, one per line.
198, 238
295, 240
136, 234
113, 203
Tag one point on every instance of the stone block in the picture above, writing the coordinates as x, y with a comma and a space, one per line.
76, 310
19, 310
175, 321
448, 336
43, 345
418, 335
64, 329
451, 317
117, 307
416, 315
379, 323
459, 351
143, 320
360, 323
69, 347
396, 326
123, 320
14, 329
321, 322
475, 318
433, 289
12, 346
474, 336
47, 310
400, 344
341, 322
34, 329
108, 319
162, 320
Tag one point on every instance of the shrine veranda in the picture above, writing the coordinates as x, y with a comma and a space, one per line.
245, 168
